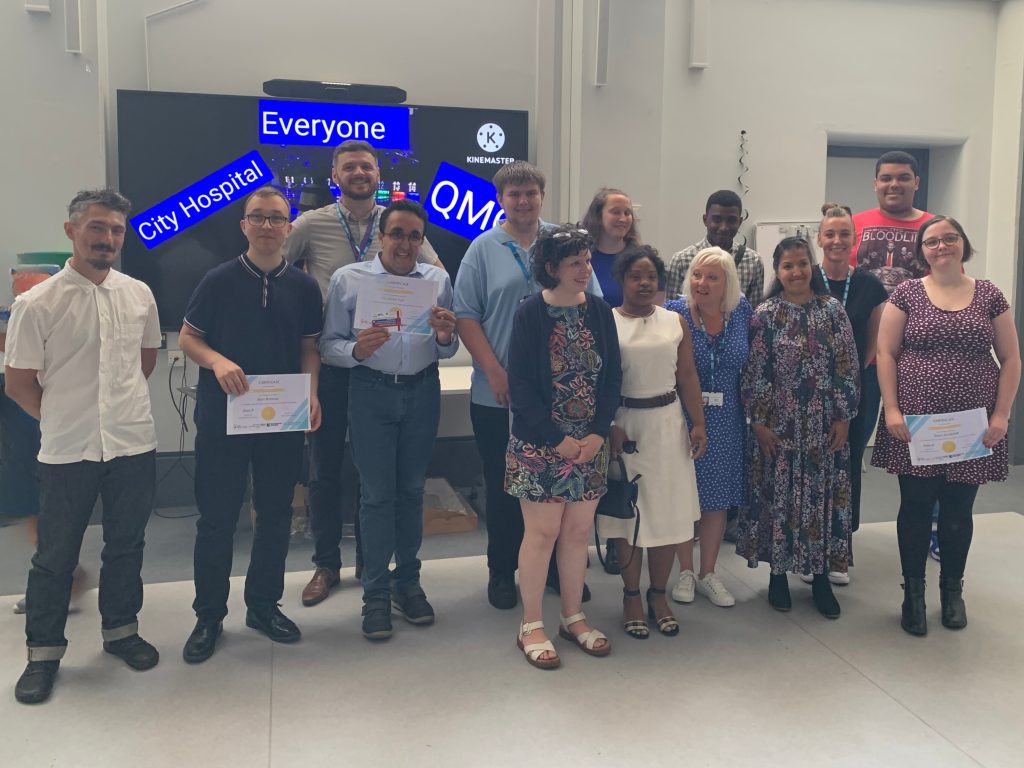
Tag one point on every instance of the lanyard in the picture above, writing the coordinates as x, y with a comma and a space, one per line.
522, 267
846, 290
712, 345
359, 251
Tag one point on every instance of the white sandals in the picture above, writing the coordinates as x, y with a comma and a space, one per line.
587, 641
533, 651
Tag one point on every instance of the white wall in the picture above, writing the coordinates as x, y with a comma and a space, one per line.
794, 74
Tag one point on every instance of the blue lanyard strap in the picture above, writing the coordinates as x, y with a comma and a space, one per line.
522, 267
712, 344
359, 251
846, 289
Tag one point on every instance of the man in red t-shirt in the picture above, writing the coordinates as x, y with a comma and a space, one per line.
886, 237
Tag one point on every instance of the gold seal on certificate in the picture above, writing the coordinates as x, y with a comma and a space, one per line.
400, 303
274, 403
944, 438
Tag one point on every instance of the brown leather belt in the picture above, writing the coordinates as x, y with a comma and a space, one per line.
649, 402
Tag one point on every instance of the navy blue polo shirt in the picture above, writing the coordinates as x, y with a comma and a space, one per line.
255, 319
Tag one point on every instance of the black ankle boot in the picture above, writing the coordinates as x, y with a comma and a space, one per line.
778, 592
954, 612
824, 600
914, 619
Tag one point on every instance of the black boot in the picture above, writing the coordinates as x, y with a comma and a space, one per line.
954, 612
824, 600
778, 592
914, 619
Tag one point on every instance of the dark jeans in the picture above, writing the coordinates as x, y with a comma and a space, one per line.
918, 496
222, 464
394, 426
126, 485
504, 515
19, 471
860, 432
327, 453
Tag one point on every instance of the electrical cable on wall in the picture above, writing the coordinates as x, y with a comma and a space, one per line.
744, 168
179, 402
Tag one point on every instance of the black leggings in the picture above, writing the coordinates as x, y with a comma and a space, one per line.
914, 524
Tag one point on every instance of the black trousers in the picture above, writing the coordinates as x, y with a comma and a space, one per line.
914, 524
327, 453
68, 494
222, 464
504, 515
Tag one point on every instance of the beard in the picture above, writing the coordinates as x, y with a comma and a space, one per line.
101, 259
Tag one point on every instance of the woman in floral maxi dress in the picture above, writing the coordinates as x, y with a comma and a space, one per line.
800, 390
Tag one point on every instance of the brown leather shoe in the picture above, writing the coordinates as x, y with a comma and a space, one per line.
319, 586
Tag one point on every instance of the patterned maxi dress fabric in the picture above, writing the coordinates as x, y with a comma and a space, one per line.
667, 500
722, 470
945, 366
802, 375
538, 472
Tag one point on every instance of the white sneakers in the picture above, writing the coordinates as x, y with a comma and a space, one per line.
714, 590
710, 586
836, 577
682, 592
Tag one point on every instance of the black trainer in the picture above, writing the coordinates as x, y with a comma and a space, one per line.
133, 651
271, 622
377, 620
202, 642
413, 607
501, 591
36, 683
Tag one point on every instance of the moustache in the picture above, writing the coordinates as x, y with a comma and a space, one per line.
103, 248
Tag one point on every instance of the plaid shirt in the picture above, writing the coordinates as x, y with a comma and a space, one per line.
750, 271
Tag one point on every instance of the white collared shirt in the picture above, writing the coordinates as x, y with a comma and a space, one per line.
86, 341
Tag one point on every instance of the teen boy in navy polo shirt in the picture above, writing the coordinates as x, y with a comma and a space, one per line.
253, 315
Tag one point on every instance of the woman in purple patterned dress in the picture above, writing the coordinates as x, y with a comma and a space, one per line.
935, 346
564, 378
799, 390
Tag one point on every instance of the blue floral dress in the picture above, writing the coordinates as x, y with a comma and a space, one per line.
801, 376
538, 472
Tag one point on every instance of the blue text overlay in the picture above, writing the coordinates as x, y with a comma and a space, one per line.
462, 203
315, 123
197, 201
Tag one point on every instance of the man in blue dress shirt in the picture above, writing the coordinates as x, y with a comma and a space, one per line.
394, 408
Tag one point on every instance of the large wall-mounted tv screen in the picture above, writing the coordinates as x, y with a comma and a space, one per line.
186, 161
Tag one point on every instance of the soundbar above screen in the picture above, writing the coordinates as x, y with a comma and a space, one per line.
187, 160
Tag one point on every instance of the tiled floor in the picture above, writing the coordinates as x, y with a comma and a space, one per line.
739, 686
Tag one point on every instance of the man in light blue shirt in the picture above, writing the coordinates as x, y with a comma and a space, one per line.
493, 279
394, 408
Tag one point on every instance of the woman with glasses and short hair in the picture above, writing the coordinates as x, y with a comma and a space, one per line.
935, 346
564, 378
800, 390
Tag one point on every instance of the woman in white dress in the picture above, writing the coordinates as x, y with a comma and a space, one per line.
650, 434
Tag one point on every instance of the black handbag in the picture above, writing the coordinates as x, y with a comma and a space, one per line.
619, 501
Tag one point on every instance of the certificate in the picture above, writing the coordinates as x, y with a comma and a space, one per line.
274, 403
402, 304
943, 438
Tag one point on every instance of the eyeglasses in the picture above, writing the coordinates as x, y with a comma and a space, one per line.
950, 238
397, 235
257, 219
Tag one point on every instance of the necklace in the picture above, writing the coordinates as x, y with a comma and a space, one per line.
636, 317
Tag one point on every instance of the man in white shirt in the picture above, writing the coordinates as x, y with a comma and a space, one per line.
79, 349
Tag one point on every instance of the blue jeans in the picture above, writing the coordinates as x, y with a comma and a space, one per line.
392, 429
860, 432
222, 467
69, 492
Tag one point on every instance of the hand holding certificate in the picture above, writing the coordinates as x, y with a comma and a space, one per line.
274, 403
400, 304
945, 438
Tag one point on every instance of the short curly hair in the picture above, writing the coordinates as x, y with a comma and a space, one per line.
554, 245
630, 256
